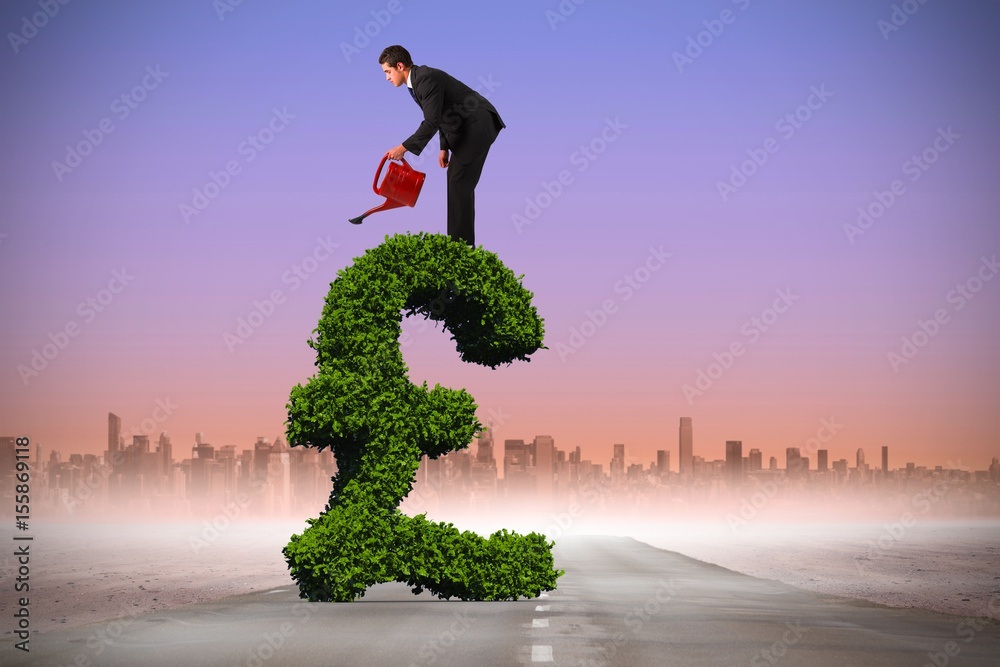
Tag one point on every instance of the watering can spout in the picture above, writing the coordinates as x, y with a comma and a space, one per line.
400, 187
384, 206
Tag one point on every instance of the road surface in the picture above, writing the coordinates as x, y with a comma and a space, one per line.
621, 602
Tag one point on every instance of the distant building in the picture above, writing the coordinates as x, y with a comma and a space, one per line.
166, 453
518, 472
793, 461
662, 462
200, 485
618, 464
686, 447
484, 451
544, 467
698, 467
261, 454
114, 432
734, 461
279, 478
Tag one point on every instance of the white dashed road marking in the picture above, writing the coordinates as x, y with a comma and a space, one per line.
541, 654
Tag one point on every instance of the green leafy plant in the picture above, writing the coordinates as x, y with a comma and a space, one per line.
361, 404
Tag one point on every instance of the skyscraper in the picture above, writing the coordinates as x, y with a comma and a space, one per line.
114, 432
544, 469
734, 461
166, 451
261, 454
755, 460
279, 477
860, 458
484, 452
821, 460
618, 464
686, 446
885, 459
517, 469
793, 461
662, 462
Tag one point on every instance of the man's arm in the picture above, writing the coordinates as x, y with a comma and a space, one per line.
432, 97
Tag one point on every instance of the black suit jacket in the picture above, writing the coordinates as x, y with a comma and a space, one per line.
460, 114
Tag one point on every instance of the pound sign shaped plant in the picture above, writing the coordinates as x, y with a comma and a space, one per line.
361, 404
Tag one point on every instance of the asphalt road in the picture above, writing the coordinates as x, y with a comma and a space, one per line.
620, 602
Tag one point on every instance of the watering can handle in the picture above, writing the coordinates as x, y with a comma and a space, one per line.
379, 171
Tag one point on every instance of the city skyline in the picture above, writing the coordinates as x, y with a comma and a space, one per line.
817, 450
272, 479
752, 311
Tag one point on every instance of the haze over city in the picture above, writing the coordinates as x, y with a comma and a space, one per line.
139, 478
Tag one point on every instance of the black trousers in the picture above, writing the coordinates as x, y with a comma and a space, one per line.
464, 170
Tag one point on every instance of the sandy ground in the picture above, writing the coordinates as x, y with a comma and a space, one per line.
947, 566
91, 572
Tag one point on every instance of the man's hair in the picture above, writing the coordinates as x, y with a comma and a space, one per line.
395, 54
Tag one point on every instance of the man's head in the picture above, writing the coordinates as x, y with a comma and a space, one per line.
396, 63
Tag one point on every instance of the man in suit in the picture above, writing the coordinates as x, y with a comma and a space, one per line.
467, 123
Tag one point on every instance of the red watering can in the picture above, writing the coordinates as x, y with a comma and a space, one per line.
400, 187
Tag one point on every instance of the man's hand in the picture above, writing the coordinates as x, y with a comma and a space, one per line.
443, 159
395, 153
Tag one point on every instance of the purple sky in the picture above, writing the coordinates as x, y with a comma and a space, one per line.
198, 83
